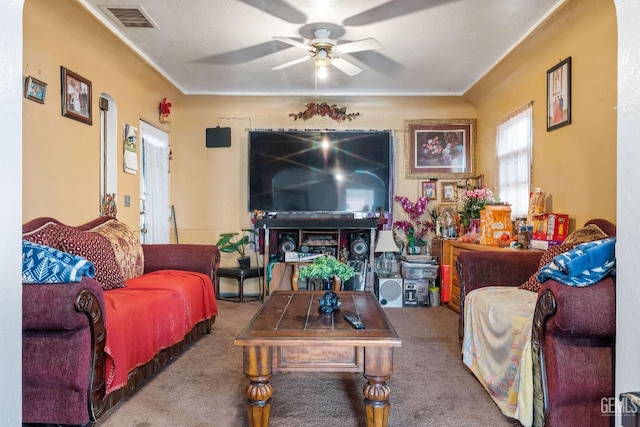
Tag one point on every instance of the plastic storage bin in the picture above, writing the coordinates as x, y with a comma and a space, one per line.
412, 270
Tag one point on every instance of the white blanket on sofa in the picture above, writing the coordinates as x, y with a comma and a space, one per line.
497, 346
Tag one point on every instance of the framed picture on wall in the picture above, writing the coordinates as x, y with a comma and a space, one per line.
35, 90
429, 190
449, 191
559, 95
440, 148
76, 96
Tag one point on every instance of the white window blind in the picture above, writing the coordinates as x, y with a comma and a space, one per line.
514, 141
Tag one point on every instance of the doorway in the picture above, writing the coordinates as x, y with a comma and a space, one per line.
155, 213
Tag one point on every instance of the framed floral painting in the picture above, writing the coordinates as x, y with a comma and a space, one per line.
440, 148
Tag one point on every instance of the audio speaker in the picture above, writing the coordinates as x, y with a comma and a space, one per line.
287, 242
390, 291
359, 245
218, 137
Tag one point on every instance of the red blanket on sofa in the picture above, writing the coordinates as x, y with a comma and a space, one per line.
151, 313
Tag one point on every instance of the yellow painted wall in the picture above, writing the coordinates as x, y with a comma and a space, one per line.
576, 164
60, 155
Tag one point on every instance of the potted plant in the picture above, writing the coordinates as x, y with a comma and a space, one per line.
237, 242
326, 268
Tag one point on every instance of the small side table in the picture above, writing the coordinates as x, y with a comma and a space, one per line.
240, 274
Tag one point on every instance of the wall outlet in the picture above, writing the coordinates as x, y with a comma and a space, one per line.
127, 201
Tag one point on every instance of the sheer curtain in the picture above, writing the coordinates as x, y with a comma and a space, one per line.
514, 141
157, 214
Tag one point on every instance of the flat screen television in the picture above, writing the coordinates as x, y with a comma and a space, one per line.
320, 171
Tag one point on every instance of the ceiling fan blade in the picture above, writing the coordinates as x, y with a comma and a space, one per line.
358, 46
290, 63
292, 42
345, 66
390, 10
279, 9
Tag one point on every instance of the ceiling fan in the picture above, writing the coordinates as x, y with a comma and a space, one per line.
327, 52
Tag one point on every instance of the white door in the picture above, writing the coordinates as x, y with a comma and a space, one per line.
155, 213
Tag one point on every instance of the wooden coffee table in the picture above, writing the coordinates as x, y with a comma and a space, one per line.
289, 333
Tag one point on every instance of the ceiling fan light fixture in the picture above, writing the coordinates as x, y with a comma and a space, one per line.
322, 72
322, 58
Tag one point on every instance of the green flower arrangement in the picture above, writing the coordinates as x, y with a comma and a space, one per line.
326, 267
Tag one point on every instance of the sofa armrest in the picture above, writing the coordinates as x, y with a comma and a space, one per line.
203, 259
479, 269
588, 311
63, 358
50, 306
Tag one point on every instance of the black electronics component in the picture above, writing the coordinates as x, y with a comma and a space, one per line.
354, 320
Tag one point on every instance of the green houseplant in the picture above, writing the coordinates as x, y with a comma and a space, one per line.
237, 242
326, 268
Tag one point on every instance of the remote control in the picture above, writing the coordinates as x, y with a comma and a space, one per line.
354, 321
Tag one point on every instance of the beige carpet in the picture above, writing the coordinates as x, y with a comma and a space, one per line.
205, 386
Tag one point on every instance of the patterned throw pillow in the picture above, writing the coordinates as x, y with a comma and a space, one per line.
91, 246
588, 233
126, 247
532, 283
43, 235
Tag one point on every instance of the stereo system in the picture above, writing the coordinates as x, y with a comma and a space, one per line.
390, 292
287, 242
358, 245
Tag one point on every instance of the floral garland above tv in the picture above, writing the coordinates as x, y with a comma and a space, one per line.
324, 109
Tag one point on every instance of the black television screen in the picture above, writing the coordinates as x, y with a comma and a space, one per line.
320, 171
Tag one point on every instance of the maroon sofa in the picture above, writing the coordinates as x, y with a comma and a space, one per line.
573, 336
78, 339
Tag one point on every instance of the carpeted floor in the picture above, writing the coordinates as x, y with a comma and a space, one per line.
205, 386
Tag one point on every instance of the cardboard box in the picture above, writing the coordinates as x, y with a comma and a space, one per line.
550, 226
495, 220
543, 244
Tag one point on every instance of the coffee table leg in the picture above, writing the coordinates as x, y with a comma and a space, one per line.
378, 365
257, 368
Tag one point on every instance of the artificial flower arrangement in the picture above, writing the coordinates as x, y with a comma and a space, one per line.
338, 114
165, 108
415, 228
472, 202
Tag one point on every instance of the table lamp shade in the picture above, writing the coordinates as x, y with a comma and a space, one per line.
386, 242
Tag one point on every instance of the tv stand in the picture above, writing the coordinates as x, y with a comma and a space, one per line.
314, 215
341, 231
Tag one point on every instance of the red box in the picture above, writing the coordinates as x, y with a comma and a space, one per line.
550, 226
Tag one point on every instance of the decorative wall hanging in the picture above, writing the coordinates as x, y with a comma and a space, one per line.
440, 148
324, 109
35, 90
130, 148
165, 110
559, 95
76, 96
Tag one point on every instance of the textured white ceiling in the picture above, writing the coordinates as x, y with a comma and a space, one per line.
429, 47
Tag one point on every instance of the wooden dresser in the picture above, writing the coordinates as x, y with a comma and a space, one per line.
450, 251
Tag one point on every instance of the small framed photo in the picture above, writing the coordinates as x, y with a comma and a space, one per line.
35, 90
449, 191
440, 148
559, 95
76, 96
429, 189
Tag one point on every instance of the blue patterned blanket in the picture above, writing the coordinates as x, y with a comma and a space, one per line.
44, 264
584, 265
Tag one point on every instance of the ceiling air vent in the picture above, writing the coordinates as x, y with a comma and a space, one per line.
129, 16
